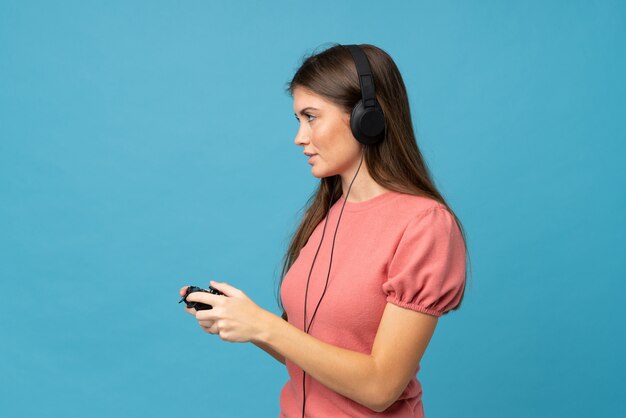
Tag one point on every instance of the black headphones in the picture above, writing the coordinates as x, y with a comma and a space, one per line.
367, 122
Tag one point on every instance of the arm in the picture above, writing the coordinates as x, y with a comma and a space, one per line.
269, 351
374, 381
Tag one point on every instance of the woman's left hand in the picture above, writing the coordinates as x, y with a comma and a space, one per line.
234, 317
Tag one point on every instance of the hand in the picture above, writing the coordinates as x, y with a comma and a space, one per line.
182, 292
207, 326
234, 317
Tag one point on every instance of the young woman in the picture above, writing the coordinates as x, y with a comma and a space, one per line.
361, 305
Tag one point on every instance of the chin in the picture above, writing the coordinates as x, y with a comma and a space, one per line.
319, 173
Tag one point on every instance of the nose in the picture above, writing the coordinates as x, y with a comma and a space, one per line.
302, 136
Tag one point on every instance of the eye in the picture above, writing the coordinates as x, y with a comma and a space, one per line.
308, 115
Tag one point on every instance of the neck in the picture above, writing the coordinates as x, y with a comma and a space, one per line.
363, 188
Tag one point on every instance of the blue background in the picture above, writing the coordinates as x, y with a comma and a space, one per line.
148, 145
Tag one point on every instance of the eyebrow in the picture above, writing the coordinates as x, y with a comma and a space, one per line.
305, 109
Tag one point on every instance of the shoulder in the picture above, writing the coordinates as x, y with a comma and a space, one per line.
424, 221
409, 208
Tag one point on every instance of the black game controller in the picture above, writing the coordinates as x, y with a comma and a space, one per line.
198, 306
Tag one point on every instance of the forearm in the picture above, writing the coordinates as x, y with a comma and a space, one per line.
269, 351
349, 373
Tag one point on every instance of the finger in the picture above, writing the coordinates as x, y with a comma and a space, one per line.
207, 329
191, 311
211, 330
206, 298
183, 290
206, 315
226, 289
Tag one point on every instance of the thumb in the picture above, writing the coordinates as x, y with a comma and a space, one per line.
183, 290
225, 288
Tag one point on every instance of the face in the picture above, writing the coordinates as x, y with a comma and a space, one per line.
325, 131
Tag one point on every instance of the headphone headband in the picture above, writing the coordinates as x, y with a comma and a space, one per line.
366, 79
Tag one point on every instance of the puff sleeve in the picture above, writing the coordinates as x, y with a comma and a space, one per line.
427, 270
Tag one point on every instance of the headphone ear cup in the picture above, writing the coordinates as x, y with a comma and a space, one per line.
367, 124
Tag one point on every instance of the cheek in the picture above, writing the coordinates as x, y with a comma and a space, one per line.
331, 138
321, 136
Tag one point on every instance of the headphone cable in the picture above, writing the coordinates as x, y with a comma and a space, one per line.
306, 329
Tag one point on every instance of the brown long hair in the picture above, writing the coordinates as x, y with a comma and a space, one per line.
396, 163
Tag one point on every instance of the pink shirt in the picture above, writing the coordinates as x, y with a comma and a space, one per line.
394, 248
